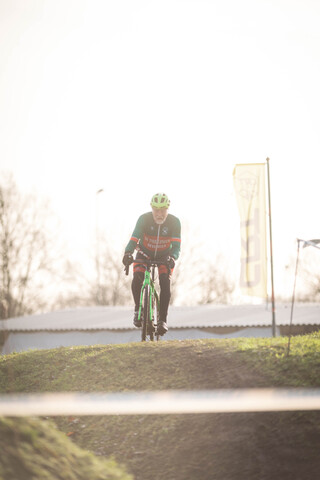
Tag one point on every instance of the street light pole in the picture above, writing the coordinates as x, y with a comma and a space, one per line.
98, 244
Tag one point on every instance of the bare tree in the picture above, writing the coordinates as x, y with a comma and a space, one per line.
201, 281
196, 279
199, 278
26, 250
217, 285
111, 287
76, 287
103, 284
308, 281
183, 279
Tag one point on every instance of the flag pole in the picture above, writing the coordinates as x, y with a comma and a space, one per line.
271, 258
293, 296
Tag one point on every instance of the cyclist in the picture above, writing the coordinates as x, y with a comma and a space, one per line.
157, 235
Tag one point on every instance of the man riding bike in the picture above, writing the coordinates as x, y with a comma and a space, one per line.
157, 235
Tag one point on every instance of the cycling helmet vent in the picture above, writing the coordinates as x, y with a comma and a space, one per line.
160, 200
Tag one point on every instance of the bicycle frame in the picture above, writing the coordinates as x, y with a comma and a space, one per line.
152, 304
149, 299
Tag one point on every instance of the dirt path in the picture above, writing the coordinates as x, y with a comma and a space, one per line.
254, 446
247, 446
242, 446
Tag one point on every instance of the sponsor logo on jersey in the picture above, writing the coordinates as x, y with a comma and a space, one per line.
153, 243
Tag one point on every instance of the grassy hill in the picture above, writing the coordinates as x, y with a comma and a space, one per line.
34, 449
238, 446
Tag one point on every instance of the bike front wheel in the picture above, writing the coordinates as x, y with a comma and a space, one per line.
155, 302
146, 313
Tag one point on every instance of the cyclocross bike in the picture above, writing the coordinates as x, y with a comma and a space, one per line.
149, 306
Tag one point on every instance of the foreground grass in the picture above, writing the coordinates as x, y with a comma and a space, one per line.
34, 449
183, 447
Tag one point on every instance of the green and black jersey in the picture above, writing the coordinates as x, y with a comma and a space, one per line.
155, 240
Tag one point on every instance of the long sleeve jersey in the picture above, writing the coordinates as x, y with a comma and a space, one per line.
155, 240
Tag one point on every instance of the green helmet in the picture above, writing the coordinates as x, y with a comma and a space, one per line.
160, 200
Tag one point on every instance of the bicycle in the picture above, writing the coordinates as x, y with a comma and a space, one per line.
149, 306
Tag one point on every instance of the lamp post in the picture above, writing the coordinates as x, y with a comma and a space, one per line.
98, 244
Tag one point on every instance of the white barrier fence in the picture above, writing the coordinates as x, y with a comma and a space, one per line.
162, 402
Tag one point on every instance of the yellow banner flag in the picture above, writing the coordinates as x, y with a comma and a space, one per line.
249, 185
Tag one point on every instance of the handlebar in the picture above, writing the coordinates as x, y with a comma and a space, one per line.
146, 261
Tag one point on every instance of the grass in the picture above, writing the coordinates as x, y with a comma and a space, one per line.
34, 449
171, 447
299, 368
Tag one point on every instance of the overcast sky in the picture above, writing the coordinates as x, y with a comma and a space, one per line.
137, 97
